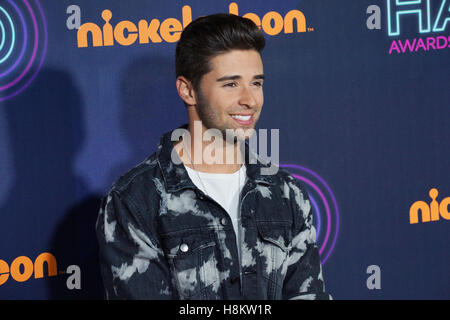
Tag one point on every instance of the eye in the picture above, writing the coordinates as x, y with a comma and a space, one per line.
230, 84
258, 83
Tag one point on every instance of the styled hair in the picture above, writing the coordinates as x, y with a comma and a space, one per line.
209, 36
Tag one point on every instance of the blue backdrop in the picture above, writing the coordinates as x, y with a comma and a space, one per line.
363, 113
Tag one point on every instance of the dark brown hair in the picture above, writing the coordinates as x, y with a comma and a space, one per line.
209, 36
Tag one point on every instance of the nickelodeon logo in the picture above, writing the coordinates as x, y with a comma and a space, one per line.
22, 268
429, 212
126, 33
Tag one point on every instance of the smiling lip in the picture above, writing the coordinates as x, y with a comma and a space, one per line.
243, 119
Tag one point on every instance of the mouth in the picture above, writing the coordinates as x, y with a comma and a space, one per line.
243, 119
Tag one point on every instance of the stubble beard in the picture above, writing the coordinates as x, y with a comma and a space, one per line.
209, 119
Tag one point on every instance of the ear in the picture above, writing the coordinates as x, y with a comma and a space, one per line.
186, 91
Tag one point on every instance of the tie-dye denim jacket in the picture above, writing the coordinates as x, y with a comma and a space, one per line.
160, 237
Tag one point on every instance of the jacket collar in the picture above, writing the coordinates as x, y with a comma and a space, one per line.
176, 176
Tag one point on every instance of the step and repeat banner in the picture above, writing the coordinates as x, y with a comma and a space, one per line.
359, 91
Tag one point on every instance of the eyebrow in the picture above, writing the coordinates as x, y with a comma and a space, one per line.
235, 77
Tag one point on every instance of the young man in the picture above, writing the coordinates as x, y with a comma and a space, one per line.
180, 227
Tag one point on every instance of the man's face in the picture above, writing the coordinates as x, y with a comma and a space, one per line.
231, 94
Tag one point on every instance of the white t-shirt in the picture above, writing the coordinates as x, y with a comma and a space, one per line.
224, 188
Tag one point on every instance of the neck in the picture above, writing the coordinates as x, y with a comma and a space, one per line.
210, 156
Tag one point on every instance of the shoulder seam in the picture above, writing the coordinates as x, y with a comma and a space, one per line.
120, 188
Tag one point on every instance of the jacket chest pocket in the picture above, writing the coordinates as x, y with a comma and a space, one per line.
273, 245
193, 263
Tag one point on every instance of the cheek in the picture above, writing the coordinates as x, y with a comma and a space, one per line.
218, 98
225, 102
260, 98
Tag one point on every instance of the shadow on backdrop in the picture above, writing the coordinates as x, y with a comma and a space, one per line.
49, 208
149, 106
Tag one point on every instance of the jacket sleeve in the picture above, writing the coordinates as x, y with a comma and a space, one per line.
132, 262
303, 278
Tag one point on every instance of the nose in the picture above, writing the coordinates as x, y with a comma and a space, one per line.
247, 97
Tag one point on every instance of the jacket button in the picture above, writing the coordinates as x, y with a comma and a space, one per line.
184, 247
223, 221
